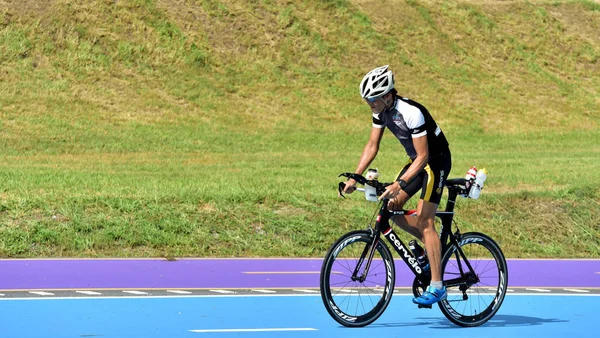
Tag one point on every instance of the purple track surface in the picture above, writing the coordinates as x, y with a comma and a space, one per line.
27, 274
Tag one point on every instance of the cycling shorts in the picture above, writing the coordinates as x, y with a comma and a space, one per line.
430, 179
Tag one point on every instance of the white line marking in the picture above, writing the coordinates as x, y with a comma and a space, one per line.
265, 291
255, 330
222, 291
576, 290
41, 293
91, 293
135, 292
538, 290
305, 291
180, 292
494, 289
555, 294
2, 295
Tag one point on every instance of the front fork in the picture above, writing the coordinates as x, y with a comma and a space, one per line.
368, 253
369, 250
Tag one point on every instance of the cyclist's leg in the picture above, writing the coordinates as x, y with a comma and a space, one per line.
425, 224
406, 223
436, 171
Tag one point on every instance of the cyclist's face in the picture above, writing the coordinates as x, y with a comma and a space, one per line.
379, 105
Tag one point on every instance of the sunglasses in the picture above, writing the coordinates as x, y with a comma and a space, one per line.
372, 99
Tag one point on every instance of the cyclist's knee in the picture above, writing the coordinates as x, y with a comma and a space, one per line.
425, 223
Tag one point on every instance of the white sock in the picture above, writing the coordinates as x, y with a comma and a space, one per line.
437, 285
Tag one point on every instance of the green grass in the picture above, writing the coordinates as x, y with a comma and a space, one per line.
217, 128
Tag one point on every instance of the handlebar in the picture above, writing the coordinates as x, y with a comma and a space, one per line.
379, 187
458, 185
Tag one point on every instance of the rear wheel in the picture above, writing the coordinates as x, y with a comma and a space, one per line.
474, 295
350, 300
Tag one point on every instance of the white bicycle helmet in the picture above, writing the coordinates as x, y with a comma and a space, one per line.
377, 83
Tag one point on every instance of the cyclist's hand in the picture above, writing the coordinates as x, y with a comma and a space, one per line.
391, 191
350, 187
395, 203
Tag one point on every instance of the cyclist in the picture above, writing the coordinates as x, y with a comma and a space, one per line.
428, 167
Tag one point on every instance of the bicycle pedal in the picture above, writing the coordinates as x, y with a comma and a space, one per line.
424, 306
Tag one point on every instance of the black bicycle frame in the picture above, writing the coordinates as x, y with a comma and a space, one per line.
382, 226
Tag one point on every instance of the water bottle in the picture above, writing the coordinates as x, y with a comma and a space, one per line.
470, 177
478, 184
371, 192
421, 255
372, 174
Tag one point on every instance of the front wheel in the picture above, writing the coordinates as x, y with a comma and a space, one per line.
352, 297
476, 278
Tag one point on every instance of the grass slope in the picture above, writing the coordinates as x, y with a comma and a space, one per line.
217, 128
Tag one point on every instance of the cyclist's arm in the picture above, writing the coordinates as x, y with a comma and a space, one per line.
370, 150
368, 154
422, 149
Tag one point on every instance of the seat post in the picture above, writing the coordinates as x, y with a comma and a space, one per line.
452, 194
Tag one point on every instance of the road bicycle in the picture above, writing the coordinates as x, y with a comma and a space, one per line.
358, 273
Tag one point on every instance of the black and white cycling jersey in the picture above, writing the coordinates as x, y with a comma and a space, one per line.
409, 119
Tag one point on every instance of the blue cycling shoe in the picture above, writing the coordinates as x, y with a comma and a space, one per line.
431, 296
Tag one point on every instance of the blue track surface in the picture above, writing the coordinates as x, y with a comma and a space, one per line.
520, 316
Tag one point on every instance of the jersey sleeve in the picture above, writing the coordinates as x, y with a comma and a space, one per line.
377, 123
415, 121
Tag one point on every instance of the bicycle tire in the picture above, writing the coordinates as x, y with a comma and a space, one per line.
492, 280
343, 298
